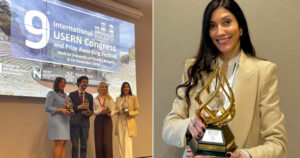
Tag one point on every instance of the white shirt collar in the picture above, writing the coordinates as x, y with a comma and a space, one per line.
232, 61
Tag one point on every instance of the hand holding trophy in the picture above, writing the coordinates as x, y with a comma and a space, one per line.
85, 106
107, 110
69, 105
125, 108
215, 112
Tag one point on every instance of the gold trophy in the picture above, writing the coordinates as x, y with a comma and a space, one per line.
125, 107
215, 112
86, 106
69, 105
108, 109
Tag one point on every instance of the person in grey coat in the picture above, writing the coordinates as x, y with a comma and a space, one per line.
58, 123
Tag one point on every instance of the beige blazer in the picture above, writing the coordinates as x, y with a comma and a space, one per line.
258, 126
134, 110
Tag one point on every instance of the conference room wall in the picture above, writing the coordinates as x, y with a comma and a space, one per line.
24, 122
274, 30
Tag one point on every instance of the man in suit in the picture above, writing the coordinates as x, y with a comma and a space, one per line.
79, 122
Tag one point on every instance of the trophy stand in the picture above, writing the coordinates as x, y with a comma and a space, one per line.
215, 142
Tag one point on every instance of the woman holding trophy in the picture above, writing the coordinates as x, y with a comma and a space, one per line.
128, 107
104, 108
246, 99
58, 123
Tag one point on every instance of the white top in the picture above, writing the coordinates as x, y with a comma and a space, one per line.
124, 102
83, 93
108, 103
232, 70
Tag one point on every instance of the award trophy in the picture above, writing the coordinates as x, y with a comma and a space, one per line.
86, 105
125, 107
218, 139
69, 105
108, 110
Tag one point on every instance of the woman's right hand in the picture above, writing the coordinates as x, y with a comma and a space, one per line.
196, 127
83, 106
65, 111
108, 112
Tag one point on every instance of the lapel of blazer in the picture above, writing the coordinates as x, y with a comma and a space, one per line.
245, 98
130, 103
77, 97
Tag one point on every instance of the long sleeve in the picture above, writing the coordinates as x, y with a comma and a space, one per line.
49, 103
272, 130
112, 106
97, 107
176, 122
72, 96
136, 107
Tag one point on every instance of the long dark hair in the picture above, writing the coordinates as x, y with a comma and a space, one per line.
57, 81
208, 52
122, 88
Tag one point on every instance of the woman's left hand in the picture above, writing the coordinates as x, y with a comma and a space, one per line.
190, 154
235, 154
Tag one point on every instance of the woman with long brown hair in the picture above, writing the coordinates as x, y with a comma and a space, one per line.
259, 124
128, 107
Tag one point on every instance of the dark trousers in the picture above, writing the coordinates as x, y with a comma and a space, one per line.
81, 132
103, 136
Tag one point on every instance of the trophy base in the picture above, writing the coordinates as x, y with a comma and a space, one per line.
215, 142
71, 110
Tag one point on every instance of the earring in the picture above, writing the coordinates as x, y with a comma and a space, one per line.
241, 34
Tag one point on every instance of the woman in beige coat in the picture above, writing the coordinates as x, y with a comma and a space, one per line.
259, 125
127, 107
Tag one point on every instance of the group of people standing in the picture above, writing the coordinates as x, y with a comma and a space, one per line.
65, 124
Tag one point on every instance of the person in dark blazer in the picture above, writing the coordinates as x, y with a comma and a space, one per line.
79, 122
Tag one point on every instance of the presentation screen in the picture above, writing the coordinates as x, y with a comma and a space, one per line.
43, 39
